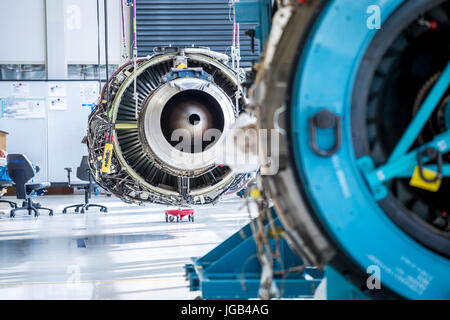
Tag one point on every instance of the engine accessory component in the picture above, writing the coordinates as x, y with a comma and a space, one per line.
356, 209
163, 151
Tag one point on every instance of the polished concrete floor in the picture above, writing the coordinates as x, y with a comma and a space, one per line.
128, 253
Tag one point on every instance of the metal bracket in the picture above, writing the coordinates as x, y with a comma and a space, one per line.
256, 12
324, 120
175, 73
402, 164
421, 118
403, 167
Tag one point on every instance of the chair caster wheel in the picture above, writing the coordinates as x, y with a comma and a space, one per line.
12, 215
64, 211
50, 213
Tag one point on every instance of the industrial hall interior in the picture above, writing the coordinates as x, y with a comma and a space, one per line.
257, 150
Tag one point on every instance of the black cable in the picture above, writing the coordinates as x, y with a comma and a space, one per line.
106, 48
107, 70
98, 49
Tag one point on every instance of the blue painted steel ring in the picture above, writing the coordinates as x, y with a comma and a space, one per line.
335, 187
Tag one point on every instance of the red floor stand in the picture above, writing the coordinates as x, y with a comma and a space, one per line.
178, 214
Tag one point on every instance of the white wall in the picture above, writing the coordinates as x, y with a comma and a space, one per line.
54, 142
22, 31
81, 31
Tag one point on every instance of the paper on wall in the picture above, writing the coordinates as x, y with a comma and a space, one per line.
58, 103
88, 94
20, 89
22, 108
57, 90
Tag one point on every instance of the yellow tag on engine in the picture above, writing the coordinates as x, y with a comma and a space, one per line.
106, 164
181, 66
255, 193
418, 182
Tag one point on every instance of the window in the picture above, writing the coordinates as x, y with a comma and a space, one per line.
22, 72
89, 71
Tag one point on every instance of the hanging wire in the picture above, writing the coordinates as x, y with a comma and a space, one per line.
236, 56
107, 70
135, 58
98, 49
230, 7
124, 37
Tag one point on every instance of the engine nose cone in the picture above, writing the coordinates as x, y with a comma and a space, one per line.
187, 117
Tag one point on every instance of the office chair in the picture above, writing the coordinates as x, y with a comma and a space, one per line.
84, 174
21, 171
7, 184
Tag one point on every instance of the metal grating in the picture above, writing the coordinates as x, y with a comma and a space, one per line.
181, 23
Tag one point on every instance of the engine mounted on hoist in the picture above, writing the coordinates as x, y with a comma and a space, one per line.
154, 133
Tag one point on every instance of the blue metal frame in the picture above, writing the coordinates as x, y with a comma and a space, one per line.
232, 270
402, 167
401, 163
421, 118
336, 187
256, 12
339, 288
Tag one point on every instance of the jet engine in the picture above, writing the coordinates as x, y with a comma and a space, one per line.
161, 119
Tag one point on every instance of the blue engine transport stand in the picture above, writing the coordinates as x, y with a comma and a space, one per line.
232, 270
339, 288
